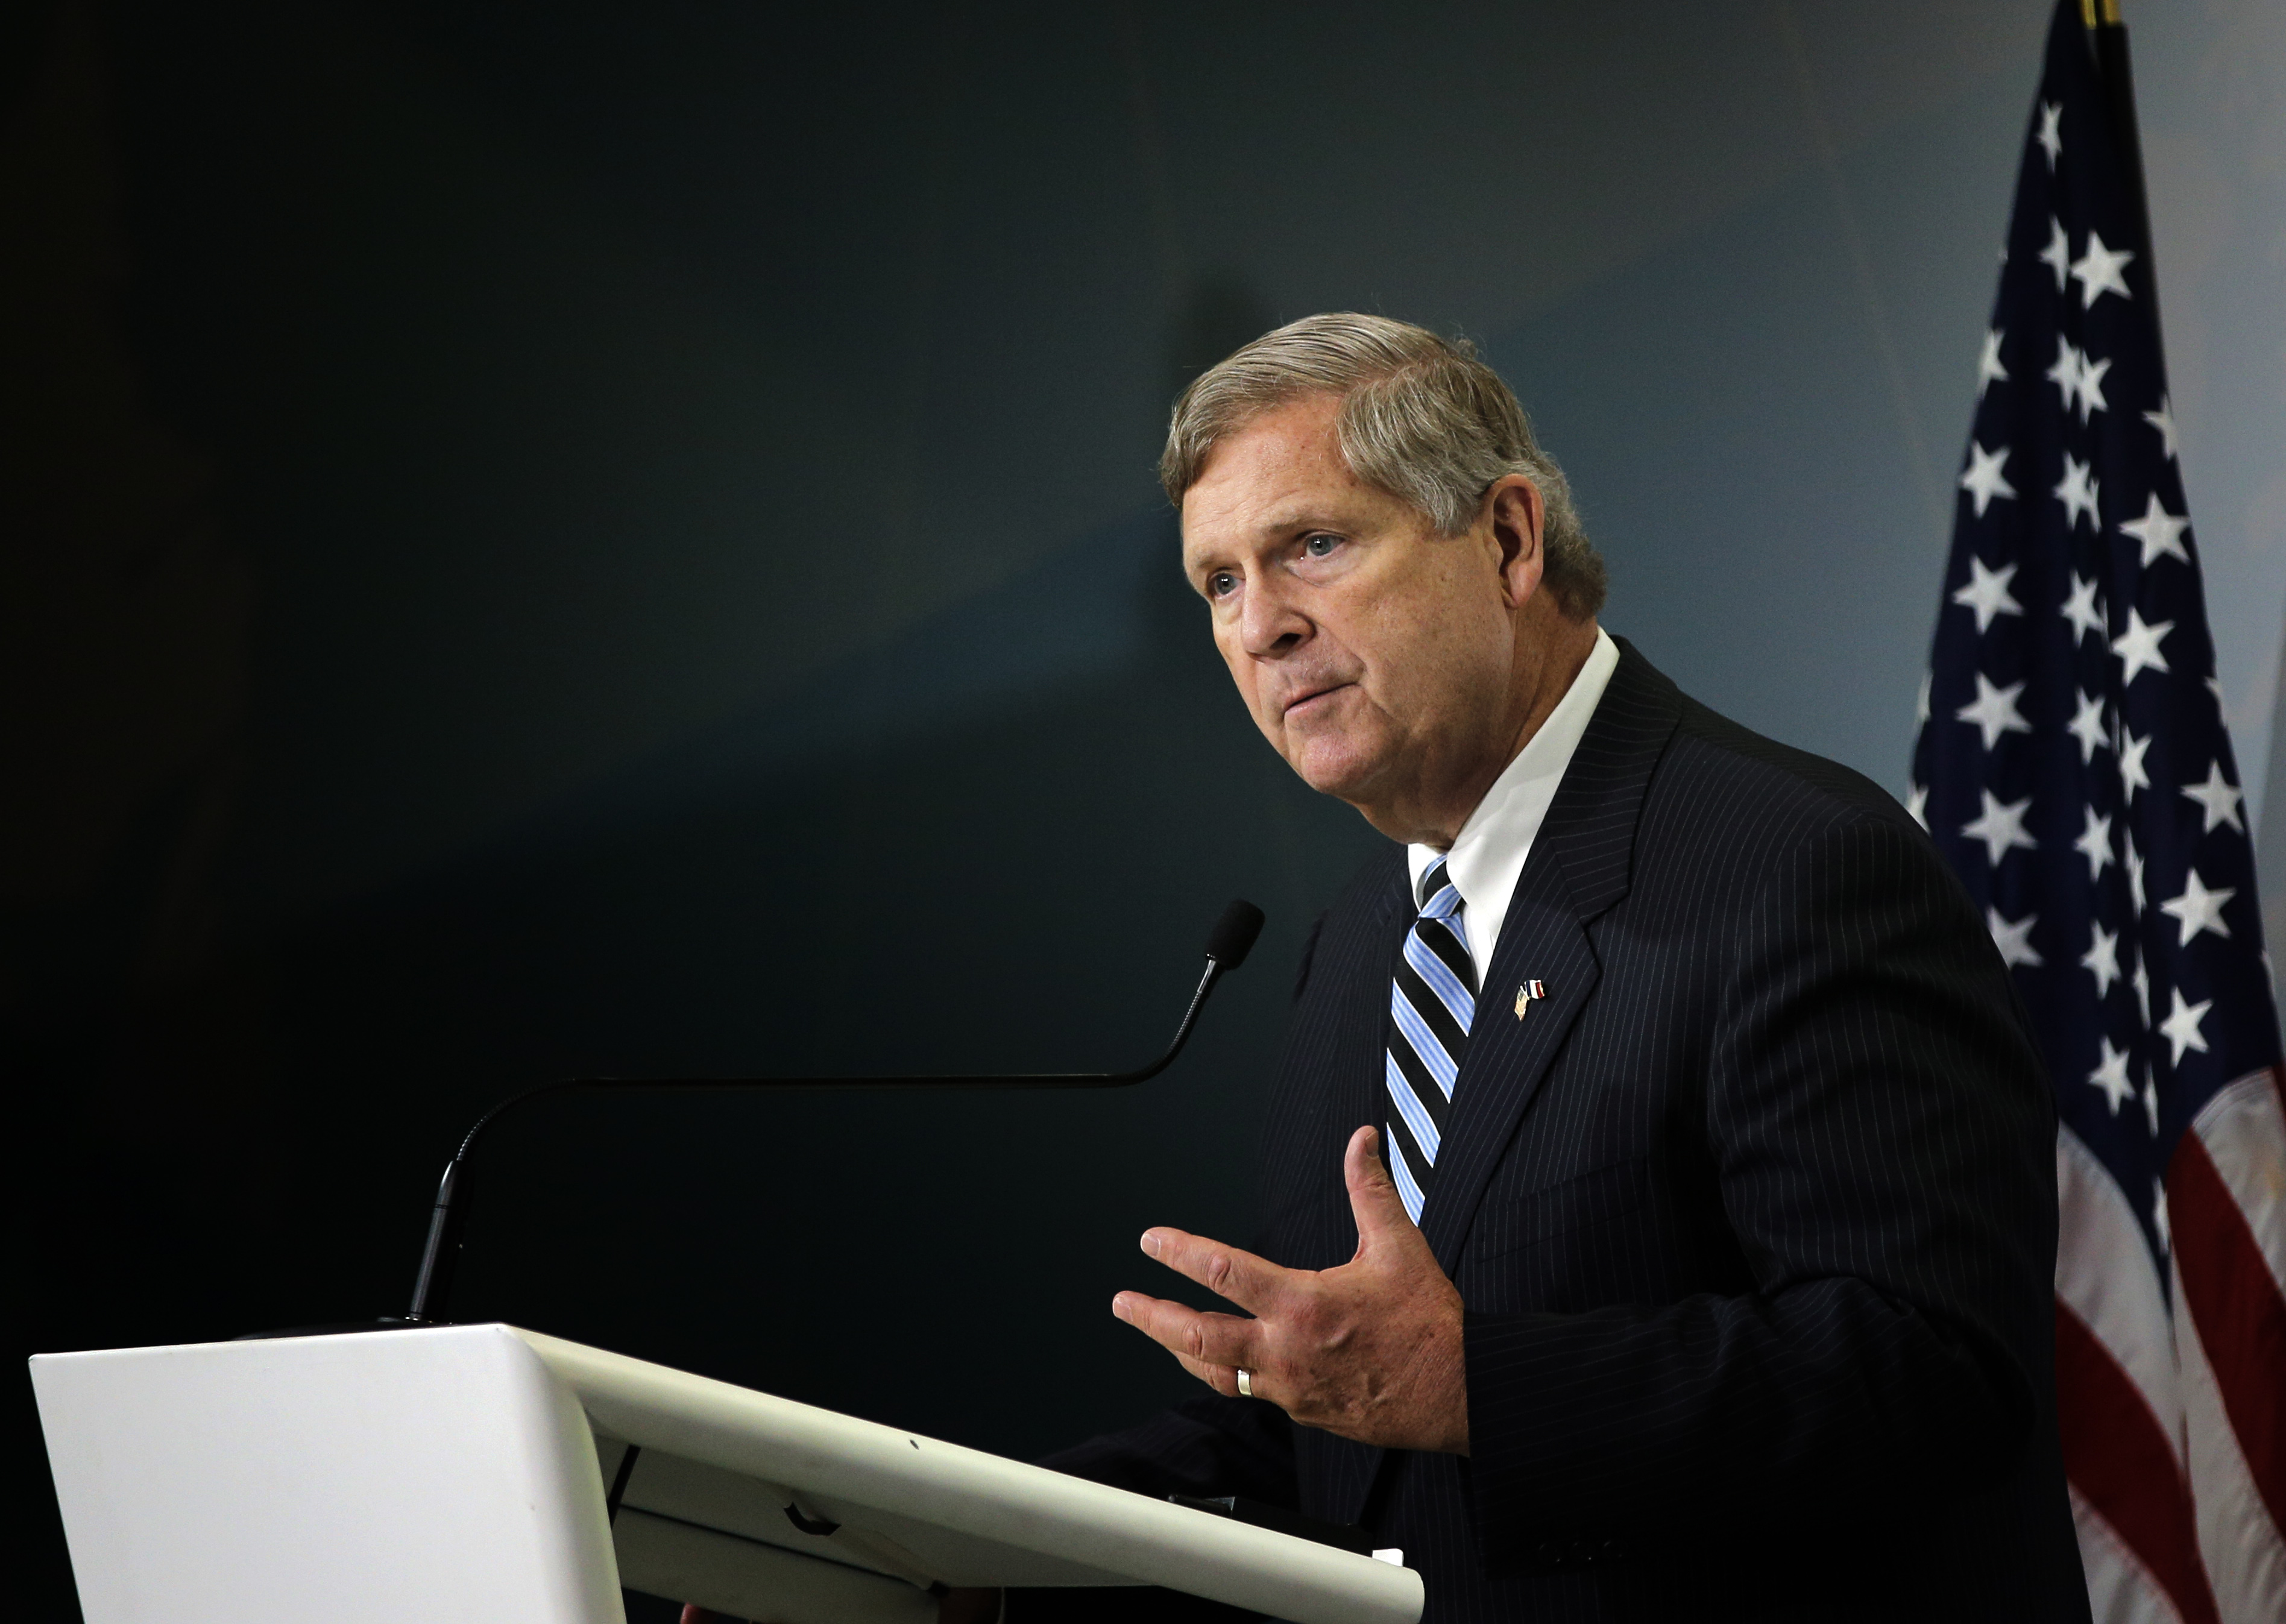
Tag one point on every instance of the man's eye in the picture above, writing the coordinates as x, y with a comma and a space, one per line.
1318, 546
1222, 583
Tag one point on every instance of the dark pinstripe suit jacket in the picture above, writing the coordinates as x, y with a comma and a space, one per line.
1754, 1217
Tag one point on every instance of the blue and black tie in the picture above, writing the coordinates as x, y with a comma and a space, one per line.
1431, 1003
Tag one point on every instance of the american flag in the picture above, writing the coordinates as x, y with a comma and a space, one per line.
2074, 766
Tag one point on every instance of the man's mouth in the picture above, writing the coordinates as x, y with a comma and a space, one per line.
1302, 702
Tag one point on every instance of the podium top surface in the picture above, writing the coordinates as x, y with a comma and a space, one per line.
766, 1474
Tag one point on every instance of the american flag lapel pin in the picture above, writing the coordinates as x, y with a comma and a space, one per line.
1525, 992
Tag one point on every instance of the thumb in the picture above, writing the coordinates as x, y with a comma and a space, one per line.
1373, 1200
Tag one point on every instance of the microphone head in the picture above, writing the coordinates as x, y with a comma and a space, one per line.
1232, 936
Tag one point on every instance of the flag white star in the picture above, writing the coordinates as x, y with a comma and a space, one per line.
1922, 701
2164, 421
2141, 979
2181, 1026
2217, 799
2132, 773
2199, 908
2090, 386
2088, 727
2102, 960
2134, 882
2050, 138
1994, 711
2097, 272
2000, 825
1917, 803
2081, 609
2066, 371
2057, 255
1989, 369
1987, 592
2158, 1187
2094, 844
2138, 647
2010, 938
1984, 481
2160, 532
2110, 1076
2077, 490
2151, 1112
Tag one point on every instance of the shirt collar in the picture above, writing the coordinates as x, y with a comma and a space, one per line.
1488, 853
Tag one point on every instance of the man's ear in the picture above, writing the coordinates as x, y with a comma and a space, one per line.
1516, 513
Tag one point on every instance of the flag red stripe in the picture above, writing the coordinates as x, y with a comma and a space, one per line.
2119, 1461
2235, 1302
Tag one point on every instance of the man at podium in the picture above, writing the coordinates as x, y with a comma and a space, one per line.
1659, 1176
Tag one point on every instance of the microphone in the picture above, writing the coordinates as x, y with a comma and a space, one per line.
1232, 939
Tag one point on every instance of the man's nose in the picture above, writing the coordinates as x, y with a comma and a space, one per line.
1269, 624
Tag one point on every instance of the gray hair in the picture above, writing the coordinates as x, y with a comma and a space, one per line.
1421, 418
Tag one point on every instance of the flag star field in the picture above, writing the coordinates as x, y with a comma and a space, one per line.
2073, 736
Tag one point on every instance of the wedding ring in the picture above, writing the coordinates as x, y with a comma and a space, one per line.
1245, 1385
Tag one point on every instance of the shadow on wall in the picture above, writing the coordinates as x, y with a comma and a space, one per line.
947, 858
996, 843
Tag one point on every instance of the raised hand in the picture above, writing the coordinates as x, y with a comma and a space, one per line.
1370, 1351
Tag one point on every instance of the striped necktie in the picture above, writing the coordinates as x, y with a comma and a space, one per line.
1432, 1002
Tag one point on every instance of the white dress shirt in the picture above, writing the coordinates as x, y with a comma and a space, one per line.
1488, 853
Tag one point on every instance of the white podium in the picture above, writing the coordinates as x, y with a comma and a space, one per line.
467, 1473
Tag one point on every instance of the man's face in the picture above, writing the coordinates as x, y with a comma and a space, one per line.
1376, 655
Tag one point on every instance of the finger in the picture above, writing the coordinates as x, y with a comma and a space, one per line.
1253, 1283
1210, 1339
1373, 1200
1222, 1378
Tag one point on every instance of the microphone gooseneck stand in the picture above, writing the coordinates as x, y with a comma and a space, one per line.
1227, 946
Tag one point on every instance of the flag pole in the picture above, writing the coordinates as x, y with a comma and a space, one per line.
2108, 34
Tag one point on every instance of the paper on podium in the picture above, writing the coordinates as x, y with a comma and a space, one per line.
461, 1472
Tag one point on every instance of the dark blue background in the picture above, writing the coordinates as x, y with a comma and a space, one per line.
551, 538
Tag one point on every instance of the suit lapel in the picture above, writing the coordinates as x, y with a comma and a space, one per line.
1581, 864
1508, 1058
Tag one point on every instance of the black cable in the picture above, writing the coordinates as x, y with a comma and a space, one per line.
620, 1484
1231, 940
